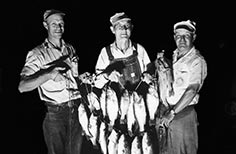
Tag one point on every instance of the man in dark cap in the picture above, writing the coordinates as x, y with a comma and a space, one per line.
190, 71
52, 68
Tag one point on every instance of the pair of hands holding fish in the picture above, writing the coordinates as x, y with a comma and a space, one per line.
115, 75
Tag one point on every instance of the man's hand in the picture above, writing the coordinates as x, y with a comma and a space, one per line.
85, 77
166, 120
147, 78
56, 75
114, 76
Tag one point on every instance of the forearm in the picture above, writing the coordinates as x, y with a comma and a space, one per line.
186, 99
29, 83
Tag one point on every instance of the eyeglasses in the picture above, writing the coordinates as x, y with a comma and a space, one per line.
186, 36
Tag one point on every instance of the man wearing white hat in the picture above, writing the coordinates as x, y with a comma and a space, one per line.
52, 68
122, 49
190, 71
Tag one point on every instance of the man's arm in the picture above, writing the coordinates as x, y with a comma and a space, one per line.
184, 101
186, 98
29, 83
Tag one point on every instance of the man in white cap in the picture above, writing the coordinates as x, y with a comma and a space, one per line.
190, 71
52, 69
122, 49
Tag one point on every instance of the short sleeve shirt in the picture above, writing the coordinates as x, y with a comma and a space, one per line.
103, 59
39, 58
189, 69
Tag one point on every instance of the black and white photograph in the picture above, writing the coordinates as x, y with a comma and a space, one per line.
118, 77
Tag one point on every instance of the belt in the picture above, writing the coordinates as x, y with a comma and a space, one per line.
57, 107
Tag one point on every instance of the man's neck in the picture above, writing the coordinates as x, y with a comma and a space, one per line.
57, 43
123, 45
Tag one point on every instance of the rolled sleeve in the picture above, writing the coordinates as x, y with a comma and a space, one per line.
198, 72
102, 61
101, 64
32, 64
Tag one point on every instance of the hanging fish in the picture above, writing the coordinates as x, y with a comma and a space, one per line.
84, 120
152, 100
94, 103
130, 116
123, 145
147, 145
165, 77
136, 146
112, 106
113, 142
165, 86
140, 111
103, 100
124, 106
102, 138
93, 129
162, 136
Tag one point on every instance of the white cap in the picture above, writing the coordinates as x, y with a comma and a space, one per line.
188, 25
118, 17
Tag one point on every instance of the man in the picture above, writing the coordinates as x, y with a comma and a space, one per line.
189, 70
133, 56
52, 68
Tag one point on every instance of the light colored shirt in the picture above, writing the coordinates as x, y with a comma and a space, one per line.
51, 91
189, 69
103, 60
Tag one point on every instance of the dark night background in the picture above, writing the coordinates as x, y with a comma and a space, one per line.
87, 29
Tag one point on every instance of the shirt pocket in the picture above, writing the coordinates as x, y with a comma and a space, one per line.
181, 77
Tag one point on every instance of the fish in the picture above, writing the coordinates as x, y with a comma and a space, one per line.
147, 146
130, 116
102, 138
124, 106
113, 142
123, 145
165, 85
162, 136
140, 111
136, 146
152, 100
103, 103
165, 78
84, 120
93, 129
94, 103
112, 105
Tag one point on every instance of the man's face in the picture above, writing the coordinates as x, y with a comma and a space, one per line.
122, 30
184, 40
55, 26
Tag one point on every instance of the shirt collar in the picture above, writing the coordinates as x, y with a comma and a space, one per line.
192, 50
48, 44
130, 45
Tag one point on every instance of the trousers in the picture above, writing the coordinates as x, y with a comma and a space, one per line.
183, 133
62, 130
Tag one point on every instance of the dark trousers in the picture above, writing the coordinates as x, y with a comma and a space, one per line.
62, 131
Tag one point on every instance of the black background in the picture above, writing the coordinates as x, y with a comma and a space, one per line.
87, 29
